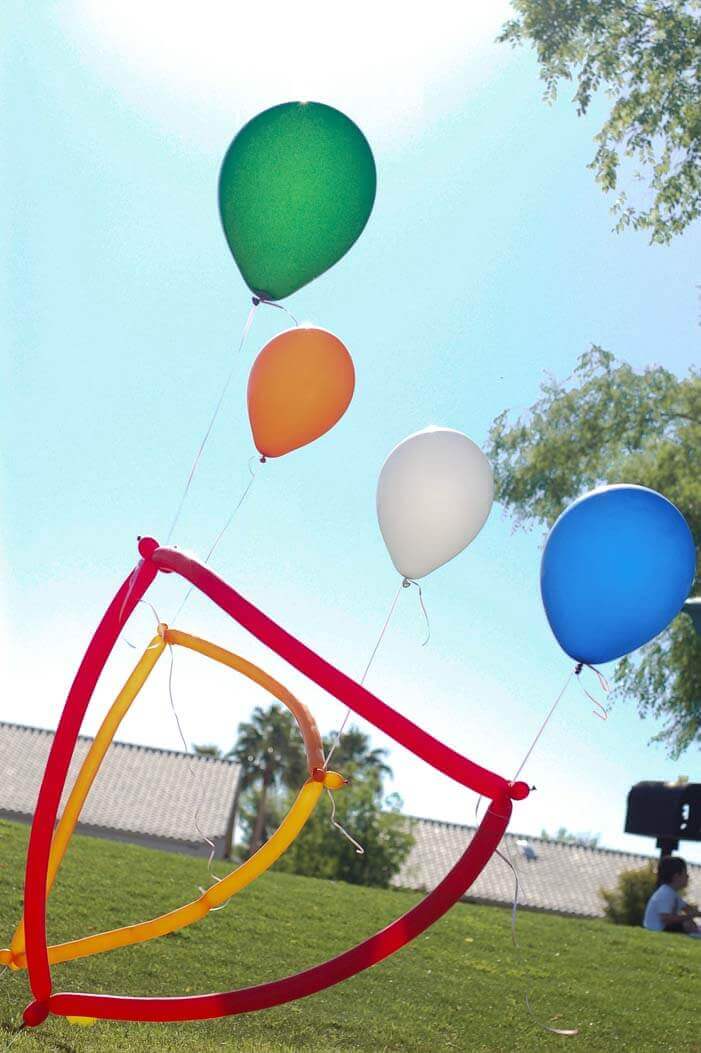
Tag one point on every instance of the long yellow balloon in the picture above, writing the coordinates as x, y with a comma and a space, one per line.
242, 875
87, 773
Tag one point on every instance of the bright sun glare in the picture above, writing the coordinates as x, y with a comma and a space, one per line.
382, 63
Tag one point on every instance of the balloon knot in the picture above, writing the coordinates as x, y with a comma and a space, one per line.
518, 791
255, 300
35, 1014
406, 583
578, 668
263, 459
147, 546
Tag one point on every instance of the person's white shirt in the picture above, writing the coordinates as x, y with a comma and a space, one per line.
664, 900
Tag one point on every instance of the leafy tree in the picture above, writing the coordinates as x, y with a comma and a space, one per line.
207, 750
569, 838
611, 424
646, 56
362, 809
271, 755
321, 850
353, 754
625, 904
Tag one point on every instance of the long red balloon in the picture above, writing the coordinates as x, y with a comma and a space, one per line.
327, 676
348, 691
62, 748
310, 981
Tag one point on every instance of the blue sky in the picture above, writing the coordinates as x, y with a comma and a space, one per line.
488, 263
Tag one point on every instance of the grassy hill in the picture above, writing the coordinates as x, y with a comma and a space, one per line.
459, 987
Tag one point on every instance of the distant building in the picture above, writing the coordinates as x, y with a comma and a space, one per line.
154, 798
554, 875
141, 795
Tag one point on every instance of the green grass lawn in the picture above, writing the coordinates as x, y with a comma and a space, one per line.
461, 986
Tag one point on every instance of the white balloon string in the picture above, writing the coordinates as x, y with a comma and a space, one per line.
601, 711
18, 1034
130, 589
359, 850
371, 659
565, 1032
407, 583
543, 726
215, 414
151, 646
279, 306
194, 775
220, 535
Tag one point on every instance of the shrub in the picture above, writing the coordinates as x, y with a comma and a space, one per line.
625, 904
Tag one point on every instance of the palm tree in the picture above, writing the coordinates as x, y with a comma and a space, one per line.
270, 752
353, 755
207, 751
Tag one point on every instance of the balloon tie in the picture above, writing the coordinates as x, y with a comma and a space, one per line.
271, 303
543, 726
406, 584
565, 1032
359, 850
220, 535
207, 840
215, 414
371, 659
601, 711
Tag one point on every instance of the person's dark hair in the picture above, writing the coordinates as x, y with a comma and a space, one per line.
668, 867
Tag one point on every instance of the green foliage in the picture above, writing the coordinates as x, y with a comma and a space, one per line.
583, 840
374, 821
321, 850
459, 987
271, 754
646, 56
208, 750
610, 424
625, 904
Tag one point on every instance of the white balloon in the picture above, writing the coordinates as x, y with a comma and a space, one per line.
434, 495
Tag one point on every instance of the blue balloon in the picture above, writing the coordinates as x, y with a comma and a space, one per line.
617, 567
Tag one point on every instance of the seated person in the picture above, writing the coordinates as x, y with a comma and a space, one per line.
666, 911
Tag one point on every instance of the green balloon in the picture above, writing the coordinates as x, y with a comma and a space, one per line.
296, 188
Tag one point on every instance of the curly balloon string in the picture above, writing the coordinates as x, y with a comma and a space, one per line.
271, 303
151, 646
406, 584
359, 850
220, 535
508, 859
601, 711
215, 414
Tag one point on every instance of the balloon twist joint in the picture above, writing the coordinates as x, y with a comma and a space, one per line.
35, 1014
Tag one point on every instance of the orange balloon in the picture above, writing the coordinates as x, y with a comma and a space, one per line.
300, 385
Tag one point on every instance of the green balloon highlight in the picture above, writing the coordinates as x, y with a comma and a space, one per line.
296, 189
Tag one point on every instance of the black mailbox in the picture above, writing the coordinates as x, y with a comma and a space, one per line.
664, 811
